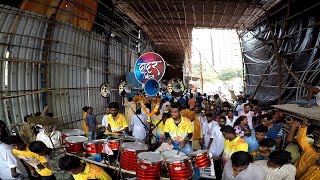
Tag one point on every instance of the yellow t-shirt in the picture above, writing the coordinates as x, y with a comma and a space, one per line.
309, 155
92, 172
33, 159
178, 133
118, 123
159, 129
230, 147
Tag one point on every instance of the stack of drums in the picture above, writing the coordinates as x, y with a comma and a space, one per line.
129, 151
201, 158
179, 167
149, 166
71, 132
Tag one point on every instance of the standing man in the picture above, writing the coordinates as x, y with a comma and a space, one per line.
139, 125
274, 130
257, 135
192, 102
116, 121
91, 122
231, 118
104, 121
178, 130
248, 113
216, 145
232, 143
50, 137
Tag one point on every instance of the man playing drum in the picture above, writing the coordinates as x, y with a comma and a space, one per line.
178, 130
116, 122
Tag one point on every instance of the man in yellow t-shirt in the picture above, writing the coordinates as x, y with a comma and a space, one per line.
232, 143
36, 162
116, 122
82, 170
178, 130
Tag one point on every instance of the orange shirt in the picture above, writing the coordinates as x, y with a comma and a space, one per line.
309, 155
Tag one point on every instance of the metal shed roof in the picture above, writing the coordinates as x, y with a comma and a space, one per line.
170, 23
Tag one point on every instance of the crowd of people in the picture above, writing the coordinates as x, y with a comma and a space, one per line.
245, 143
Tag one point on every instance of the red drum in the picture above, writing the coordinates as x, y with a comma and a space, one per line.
71, 132
74, 144
113, 144
129, 151
149, 166
93, 147
179, 167
201, 158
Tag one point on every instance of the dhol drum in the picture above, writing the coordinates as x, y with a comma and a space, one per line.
179, 167
129, 151
171, 153
71, 132
113, 143
149, 166
93, 147
74, 144
201, 158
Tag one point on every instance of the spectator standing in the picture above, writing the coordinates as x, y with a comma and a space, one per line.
91, 122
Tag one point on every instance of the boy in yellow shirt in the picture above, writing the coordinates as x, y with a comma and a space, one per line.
82, 170
36, 162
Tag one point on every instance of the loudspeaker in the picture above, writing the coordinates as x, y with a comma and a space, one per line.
105, 90
124, 89
176, 87
151, 87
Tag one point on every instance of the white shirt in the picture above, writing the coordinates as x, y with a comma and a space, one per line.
202, 119
249, 116
217, 144
138, 129
253, 172
207, 130
55, 138
8, 161
286, 172
228, 122
104, 121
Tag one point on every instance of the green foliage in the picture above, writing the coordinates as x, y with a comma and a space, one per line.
228, 74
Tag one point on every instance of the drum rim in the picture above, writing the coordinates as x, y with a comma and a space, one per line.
66, 139
93, 142
79, 130
134, 150
203, 152
187, 158
139, 159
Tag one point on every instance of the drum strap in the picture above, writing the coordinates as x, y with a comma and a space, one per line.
158, 122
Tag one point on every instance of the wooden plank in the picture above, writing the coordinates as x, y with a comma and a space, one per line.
312, 113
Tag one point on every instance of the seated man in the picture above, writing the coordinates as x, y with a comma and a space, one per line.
82, 170
116, 122
50, 137
241, 167
36, 163
178, 130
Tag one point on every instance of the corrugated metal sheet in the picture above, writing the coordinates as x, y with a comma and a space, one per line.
74, 66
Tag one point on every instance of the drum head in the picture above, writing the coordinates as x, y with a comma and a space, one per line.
134, 146
199, 152
73, 132
150, 157
76, 139
94, 142
171, 153
177, 159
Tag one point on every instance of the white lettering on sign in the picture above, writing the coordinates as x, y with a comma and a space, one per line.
146, 69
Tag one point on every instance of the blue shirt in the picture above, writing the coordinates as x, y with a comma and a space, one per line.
91, 122
252, 142
275, 131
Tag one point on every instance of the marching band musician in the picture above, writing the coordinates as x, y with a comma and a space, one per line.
178, 130
116, 122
